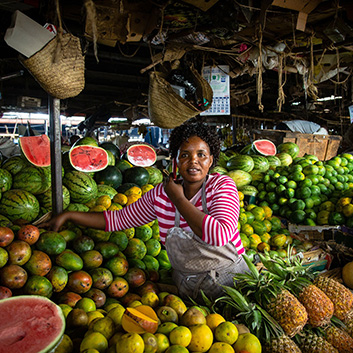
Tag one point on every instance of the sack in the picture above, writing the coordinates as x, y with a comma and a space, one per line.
59, 67
166, 108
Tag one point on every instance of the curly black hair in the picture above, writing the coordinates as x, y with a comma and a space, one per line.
190, 128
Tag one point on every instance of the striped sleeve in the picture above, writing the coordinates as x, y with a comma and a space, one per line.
220, 226
134, 215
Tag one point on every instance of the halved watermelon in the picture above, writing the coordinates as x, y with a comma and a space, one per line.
31, 324
36, 149
87, 158
141, 155
265, 147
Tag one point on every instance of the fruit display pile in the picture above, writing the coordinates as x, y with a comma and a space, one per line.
303, 190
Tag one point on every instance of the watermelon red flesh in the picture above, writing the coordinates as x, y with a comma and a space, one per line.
36, 149
265, 147
141, 155
88, 158
30, 324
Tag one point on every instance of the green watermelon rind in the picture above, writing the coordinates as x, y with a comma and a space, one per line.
110, 176
77, 207
19, 204
45, 199
15, 164
106, 190
289, 147
5, 180
35, 180
136, 175
261, 163
30, 302
81, 186
156, 176
241, 162
240, 177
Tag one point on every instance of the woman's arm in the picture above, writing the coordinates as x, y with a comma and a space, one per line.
87, 219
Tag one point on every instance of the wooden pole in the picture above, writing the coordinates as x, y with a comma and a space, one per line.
55, 154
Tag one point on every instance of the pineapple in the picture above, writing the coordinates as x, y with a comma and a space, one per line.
261, 323
312, 343
341, 296
274, 298
339, 339
291, 270
348, 321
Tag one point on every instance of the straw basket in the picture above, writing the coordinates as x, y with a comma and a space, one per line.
59, 67
166, 108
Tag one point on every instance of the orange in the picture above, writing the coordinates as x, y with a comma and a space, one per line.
87, 304
151, 299
94, 340
213, 320
135, 190
130, 342
162, 342
202, 338
181, 335
116, 314
146, 188
226, 332
132, 198
221, 347
247, 342
120, 198
104, 200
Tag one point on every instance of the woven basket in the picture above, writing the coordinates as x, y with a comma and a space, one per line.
59, 67
166, 108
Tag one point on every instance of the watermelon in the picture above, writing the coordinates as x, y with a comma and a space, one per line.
106, 190
264, 147
136, 175
45, 199
36, 149
89, 141
289, 147
125, 187
256, 175
77, 207
285, 159
87, 158
19, 204
240, 177
81, 186
34, 324
141, 155
5, 222
111, 158
110, 176
240, 162
32, 179
123, 165
223, 159
112, 147
218, 169
260, 163
156, 176
5, 180
15, 164
274, 162
249, 190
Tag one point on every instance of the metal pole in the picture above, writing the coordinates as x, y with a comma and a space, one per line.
55, 154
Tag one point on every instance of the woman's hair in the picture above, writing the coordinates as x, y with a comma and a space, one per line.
195, 128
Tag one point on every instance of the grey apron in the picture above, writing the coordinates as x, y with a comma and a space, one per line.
198, 265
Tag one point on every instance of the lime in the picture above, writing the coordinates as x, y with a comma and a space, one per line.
271, 197
315, 190
303, 192
275, 207
270, 186
309, 203
298, 176
310, 213
306, 182
282, 201
311, 170
314, 178
298, 216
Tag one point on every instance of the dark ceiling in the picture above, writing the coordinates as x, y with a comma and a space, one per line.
120, 79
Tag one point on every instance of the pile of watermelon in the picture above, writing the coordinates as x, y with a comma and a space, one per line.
89, 170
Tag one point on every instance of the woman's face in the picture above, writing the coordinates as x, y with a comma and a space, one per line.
194, 159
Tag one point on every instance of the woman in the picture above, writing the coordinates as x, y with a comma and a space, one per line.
197, 215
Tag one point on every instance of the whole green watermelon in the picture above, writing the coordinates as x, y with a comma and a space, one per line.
5, 180
15, 164
241, 162
45, 199
260, 163
240, 177
81, 186
136, 175
285, 158
35, 180
106, 190
156, 176
109, 176
273, 161
289, 147
19, 204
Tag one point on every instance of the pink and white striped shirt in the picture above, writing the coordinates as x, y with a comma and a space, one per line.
218, 228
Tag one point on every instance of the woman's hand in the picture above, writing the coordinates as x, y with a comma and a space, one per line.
173, 189
87, 219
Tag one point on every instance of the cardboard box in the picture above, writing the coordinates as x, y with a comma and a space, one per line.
313, 232
303, 6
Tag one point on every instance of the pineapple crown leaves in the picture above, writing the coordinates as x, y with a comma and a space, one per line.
254, 316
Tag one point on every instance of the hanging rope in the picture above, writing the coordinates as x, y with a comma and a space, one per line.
92, 17
281, 96
59, 44
259, 73
312, 89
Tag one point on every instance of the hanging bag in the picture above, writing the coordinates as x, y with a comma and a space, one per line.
166, 108
59, 66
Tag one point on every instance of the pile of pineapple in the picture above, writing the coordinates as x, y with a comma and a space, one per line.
290, 308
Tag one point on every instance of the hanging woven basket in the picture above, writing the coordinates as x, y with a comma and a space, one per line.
167, 109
